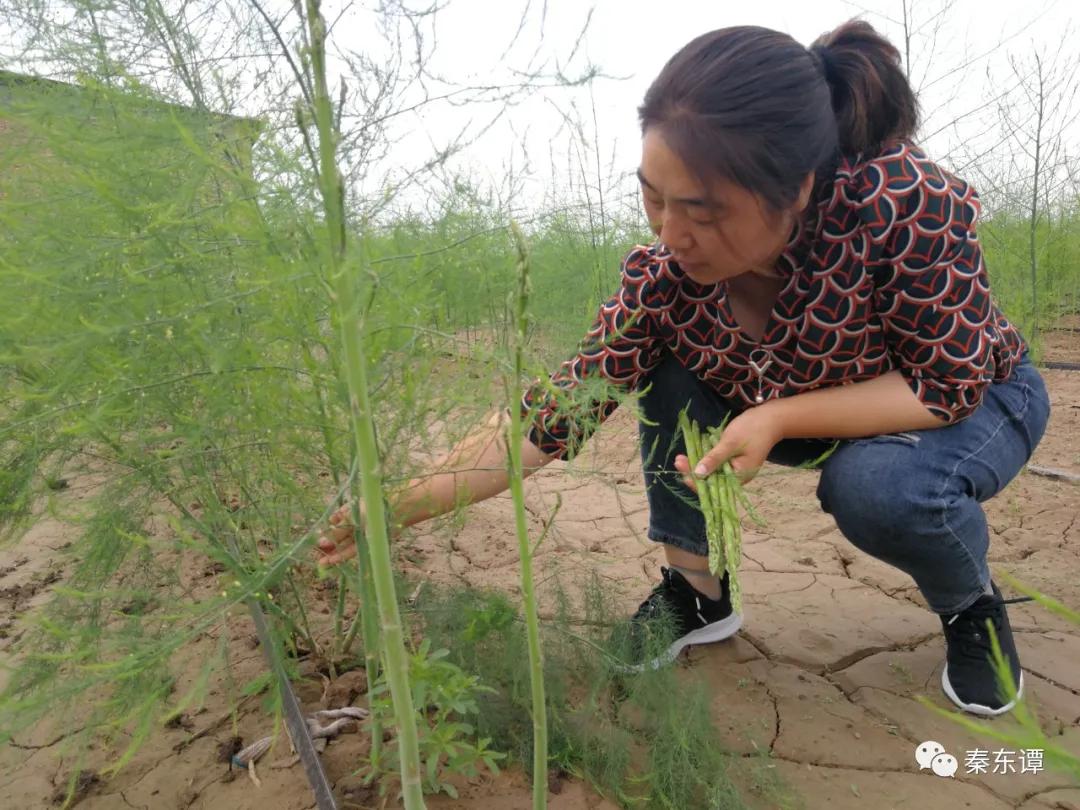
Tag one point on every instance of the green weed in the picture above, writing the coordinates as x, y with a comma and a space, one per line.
447, 697
645, 740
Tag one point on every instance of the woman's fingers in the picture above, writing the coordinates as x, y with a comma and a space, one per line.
333, 549
342, 553
336, 534
682, 464
337, 543
332, 540
343, 516
715, 457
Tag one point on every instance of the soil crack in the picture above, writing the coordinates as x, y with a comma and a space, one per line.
859, 655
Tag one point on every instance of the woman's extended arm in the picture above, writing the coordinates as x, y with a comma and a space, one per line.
885, 404
472, 471
476, 469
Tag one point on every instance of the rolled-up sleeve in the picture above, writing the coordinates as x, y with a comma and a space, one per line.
617, 351
933, 294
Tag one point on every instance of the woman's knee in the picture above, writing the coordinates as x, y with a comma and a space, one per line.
875, 487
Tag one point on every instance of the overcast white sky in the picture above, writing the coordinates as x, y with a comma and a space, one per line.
632, 39
960, 64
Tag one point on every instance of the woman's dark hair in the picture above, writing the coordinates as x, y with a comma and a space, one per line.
753, 106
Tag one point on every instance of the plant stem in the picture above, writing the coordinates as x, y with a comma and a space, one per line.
371, 642
363, 425
517, 491
732, 534
339, 616
350, 634
708, 494
305, 628
728, 494
345, 647
320, 395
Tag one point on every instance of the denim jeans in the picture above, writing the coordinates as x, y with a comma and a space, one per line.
909, 499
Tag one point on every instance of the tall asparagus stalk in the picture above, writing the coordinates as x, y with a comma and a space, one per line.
372, 645
517, 491
346, 300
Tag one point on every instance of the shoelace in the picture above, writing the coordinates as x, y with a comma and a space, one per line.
648, 608
986, 606
973, 628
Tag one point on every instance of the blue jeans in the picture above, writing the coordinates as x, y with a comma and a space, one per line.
909, 499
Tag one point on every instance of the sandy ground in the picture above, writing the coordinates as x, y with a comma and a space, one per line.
824, 676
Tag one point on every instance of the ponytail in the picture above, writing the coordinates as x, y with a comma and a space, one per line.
871, 97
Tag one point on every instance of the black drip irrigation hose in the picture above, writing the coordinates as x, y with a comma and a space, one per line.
295, 722
294, 716
1060, 365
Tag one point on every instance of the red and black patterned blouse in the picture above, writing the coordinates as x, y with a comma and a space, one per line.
888, 275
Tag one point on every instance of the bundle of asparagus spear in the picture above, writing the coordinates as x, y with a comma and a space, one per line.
720, 494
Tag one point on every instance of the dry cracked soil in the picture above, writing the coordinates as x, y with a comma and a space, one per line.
824, 680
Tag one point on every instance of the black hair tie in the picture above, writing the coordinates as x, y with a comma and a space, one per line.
824, 61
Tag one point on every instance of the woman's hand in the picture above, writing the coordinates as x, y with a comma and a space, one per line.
338, 543
747, 441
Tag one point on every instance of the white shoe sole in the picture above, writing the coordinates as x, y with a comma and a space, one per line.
709, 634
978, 708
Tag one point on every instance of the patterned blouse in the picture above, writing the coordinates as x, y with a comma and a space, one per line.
888, 275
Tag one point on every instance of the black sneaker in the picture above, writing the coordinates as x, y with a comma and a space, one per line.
674, 616
969, 678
